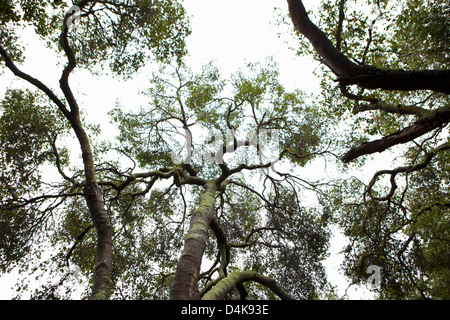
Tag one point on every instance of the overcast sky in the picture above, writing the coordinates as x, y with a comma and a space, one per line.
231, 33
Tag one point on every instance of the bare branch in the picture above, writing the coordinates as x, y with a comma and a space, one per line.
394, 108
52, 142
20, 203
229, 172
77, 241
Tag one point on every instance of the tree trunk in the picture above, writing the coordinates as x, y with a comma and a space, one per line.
92, 192
102, 271
185, 282
101, 221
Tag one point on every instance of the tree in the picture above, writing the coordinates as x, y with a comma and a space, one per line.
200, 177
386, 72
158, 196
269, 221
103, 35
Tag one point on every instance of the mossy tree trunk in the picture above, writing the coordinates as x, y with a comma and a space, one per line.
185, 281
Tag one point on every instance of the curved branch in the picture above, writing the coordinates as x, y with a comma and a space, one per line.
222, 246
78, 241
242, 185
403, 136
340, 23
223, 256
406, 169
55, 152
24, 202
394, 108
229, 172
363, 75
35, 82
232, 281
64, 81
163, 174
334, 59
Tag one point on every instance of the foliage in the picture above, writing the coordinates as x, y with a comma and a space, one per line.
150, 217
41, 209
29, 128
406, 35
195, 104
43, 16
126, 34
121, 35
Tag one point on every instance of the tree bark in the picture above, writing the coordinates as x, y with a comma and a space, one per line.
334, 59
228, 284
92, 191
185, 282
403, 136
100, 218
102, 271
402, 80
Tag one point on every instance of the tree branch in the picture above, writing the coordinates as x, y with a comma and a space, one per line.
35, 82
229, 283
436, 80
222, 245
163, 173
24, 202
77, 241
340, 23
406, 169
394, 108
52, 142
333, 58
365, 76
229, 172
64, 81
223, 256
403, 136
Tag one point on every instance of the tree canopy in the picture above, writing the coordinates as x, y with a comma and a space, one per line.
198, 196
386, 73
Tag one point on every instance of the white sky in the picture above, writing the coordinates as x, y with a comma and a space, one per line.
231, 33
